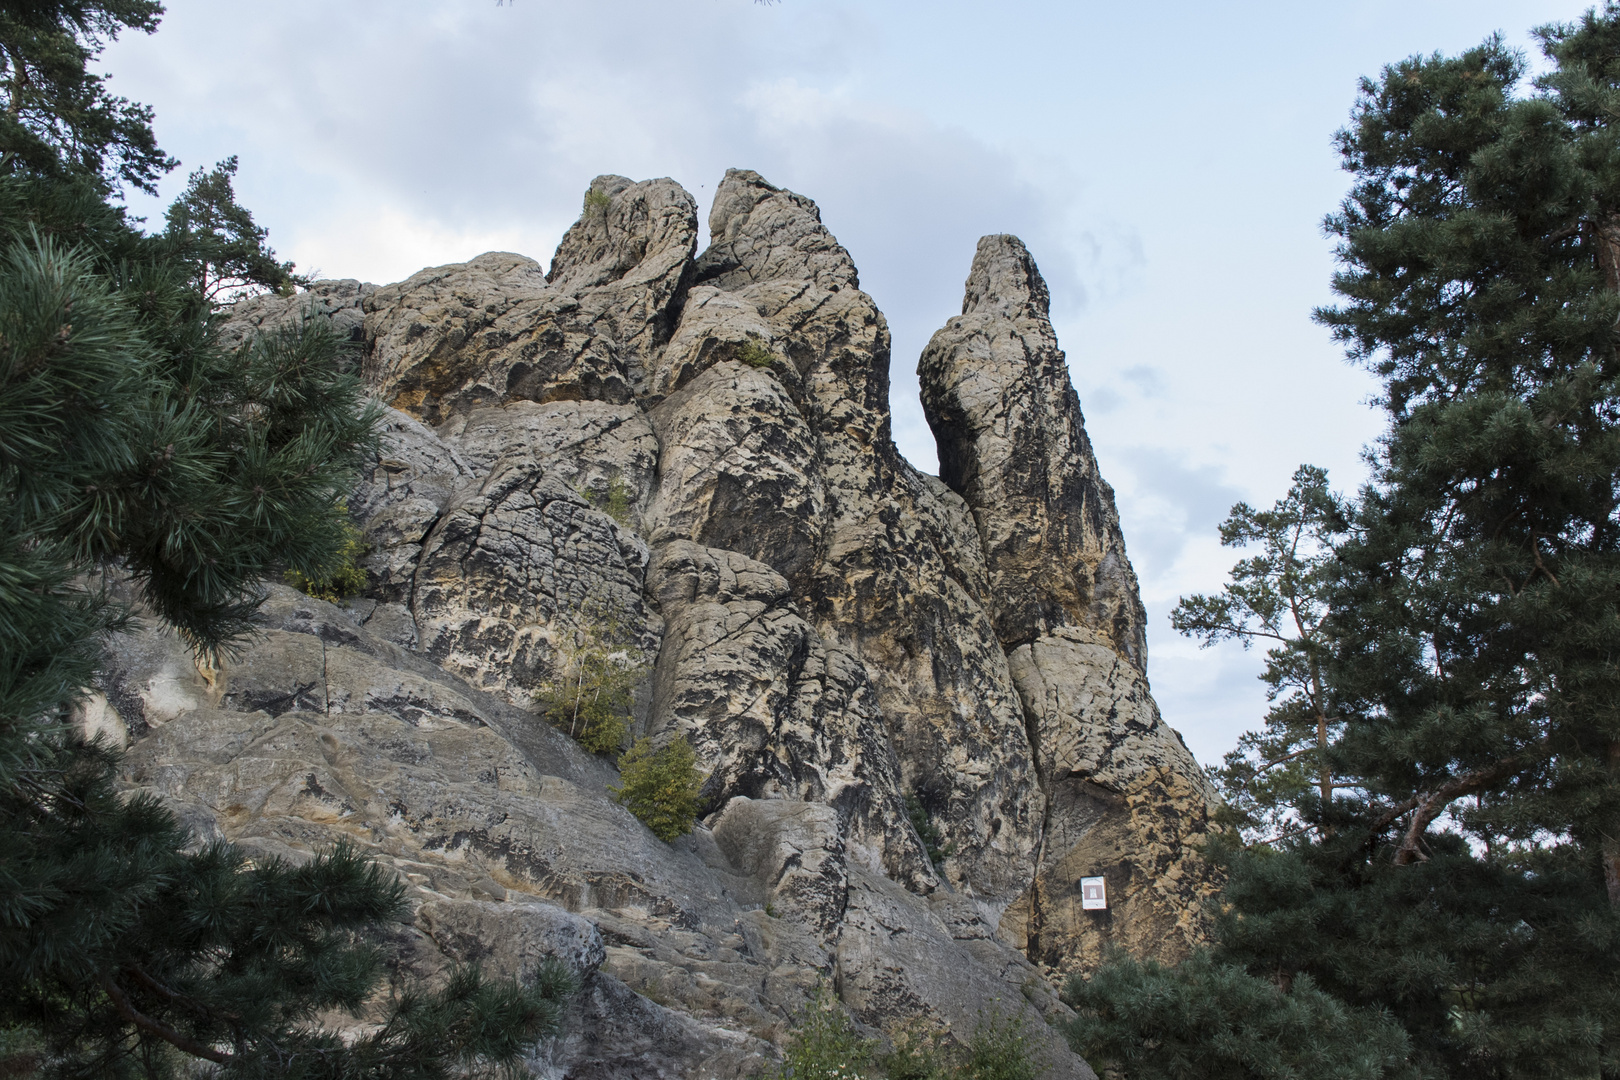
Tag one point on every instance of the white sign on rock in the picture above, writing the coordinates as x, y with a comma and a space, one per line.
1093, 894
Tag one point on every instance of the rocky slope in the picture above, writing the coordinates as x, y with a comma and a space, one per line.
687, 458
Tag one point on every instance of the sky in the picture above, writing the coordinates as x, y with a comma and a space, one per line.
1168, 164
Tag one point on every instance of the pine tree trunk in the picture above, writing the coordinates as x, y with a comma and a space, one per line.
1611, 836
1325, 777
1319, 701
1608, 253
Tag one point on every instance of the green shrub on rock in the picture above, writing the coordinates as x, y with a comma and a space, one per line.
344, 579
590, 697
755, 355
1002, 1048
617, 500
826, 1045
919, 1051
660, 786
932, 839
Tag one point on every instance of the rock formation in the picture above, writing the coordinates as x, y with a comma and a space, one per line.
688, 458
1122, 792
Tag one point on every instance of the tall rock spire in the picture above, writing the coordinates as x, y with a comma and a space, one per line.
1012, 442
1124, 798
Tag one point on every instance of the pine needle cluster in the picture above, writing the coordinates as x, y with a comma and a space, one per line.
1215, 1021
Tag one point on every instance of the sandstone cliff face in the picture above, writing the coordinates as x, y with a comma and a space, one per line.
1123, 796
688, 458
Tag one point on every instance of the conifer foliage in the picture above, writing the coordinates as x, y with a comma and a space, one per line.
1278, 596
220, 239
134, 445
56, 117
1465, 875
1215, 1021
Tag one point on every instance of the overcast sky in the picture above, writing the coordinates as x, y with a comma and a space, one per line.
1167, 163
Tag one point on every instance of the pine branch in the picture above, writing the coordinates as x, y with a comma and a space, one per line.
188, 1003
1431, 804
128, 1011
1280, 837
1274, 762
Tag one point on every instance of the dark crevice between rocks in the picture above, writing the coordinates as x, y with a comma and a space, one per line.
959, 460
421, 555
668, 319
1032, 732
278, 704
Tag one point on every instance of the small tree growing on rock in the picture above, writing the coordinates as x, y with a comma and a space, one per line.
217, 240
660, 786
346, 577
825, 1045
590, 698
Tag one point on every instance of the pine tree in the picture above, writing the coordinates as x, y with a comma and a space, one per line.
1467, 878
219, 239
1480, 580
56, 117
1209, 1020
1479, 586
1278, 595
132, 442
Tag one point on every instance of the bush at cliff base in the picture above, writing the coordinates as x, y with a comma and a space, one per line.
1215, 1021
824, 1045
132, 443
1451, 858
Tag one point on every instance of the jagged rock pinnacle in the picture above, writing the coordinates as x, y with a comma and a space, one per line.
687, 458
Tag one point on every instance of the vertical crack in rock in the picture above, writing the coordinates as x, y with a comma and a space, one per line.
1126, 799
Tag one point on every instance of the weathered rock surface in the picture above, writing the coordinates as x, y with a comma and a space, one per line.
337, 301
859, 536
1012, 443
688, 458
500, 329
321, 730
